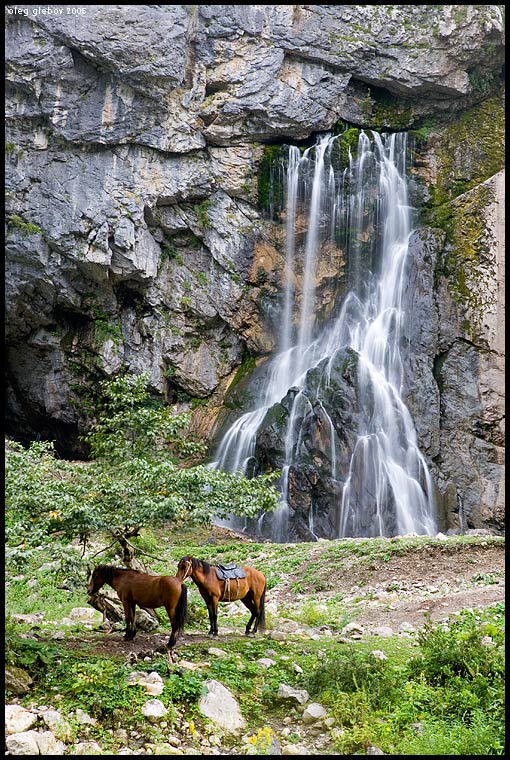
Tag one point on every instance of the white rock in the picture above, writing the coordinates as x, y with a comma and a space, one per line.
353, 630
23, 743
18, 719
383, 630
86, 748
49, 745
313, 712
265, 662
154, 709
295, 749
278, 636
288, 692
84, 718
88, 614
219, 705
217, 652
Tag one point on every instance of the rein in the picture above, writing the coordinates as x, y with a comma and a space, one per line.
189, 570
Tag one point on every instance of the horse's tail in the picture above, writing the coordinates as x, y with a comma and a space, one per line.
262, 611
181, 610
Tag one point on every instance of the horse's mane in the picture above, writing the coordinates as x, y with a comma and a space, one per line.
107, 571
200, 562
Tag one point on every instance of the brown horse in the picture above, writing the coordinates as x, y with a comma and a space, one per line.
251, 590
147, 591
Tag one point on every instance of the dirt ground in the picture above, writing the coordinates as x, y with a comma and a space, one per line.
436, 581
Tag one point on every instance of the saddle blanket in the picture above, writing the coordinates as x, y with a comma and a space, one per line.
225, 572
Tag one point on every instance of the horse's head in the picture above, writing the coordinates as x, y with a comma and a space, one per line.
95, 582
185, 568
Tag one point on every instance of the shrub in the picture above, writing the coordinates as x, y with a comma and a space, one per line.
460, 653
351, 671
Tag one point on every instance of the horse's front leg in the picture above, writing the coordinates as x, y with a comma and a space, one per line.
129, 612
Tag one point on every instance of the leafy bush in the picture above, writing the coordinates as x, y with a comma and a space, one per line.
129, 423
27, 652
183, 686
100, 686
447, 699
480, 736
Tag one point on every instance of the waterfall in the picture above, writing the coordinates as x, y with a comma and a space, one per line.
378, 483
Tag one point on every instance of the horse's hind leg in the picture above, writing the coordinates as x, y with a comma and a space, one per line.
212, 609
175, 627
256, 616
248, 602
260, 607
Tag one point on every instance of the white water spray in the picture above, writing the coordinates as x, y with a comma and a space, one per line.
386, 487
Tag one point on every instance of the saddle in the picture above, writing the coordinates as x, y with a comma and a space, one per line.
226, 572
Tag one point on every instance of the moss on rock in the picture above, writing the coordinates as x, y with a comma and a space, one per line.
467, 260
468, 151
269, 188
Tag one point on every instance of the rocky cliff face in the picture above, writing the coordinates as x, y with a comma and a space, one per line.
135, 240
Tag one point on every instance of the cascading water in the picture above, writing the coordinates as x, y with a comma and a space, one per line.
375, 481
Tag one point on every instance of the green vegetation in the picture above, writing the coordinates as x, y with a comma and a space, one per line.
349, 143
466, 153
105, 328
389, 111
14, 150
168, 250
466, 257
25, 228
244, 370
202, 212
476, 140
135, 478
447, 698
201, 278
438, 692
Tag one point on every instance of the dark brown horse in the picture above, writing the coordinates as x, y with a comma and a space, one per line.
251, 590
148, 592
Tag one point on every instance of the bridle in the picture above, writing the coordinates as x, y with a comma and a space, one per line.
189, 570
